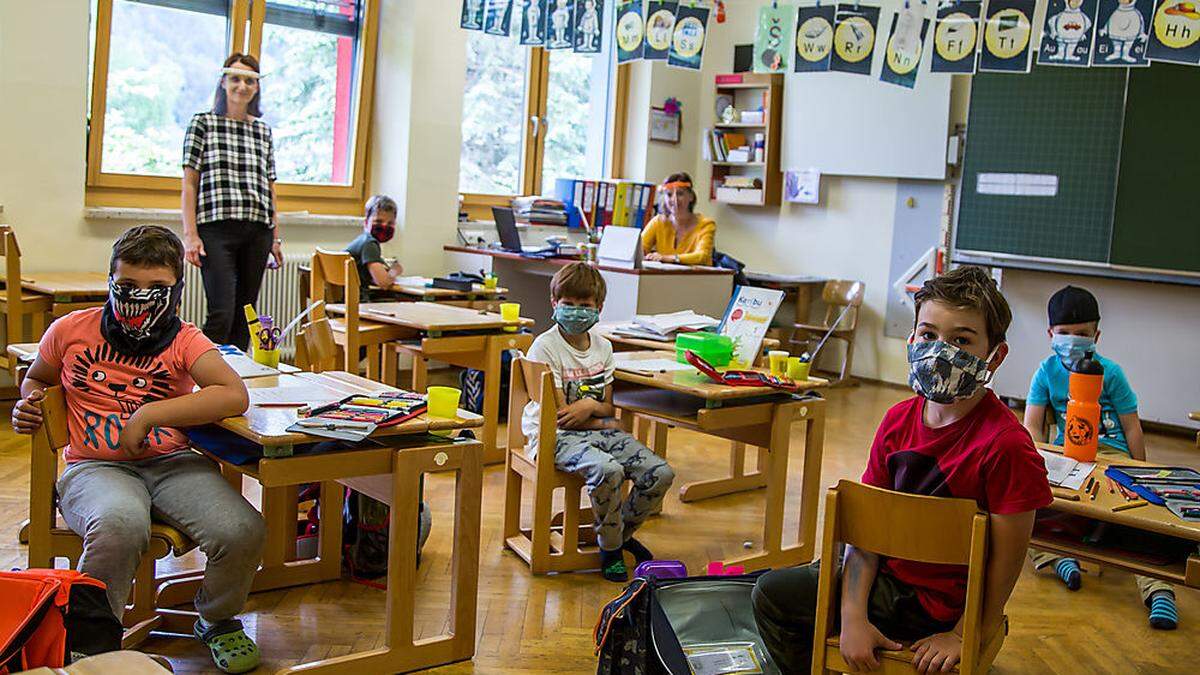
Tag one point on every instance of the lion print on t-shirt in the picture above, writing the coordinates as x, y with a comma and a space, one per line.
104, 371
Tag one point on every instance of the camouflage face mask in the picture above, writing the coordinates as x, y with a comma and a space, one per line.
943, 373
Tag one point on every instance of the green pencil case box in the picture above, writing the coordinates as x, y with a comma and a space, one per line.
716, 349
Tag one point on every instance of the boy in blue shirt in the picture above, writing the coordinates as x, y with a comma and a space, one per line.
1074, 331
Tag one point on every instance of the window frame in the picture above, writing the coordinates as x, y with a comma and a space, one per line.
478, 205
246, 19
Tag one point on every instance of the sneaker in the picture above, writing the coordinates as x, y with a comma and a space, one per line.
1068, 571
612, 565
232, 650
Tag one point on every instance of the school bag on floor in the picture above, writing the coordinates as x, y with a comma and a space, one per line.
49, 616
470, 381
688, 625
365, 533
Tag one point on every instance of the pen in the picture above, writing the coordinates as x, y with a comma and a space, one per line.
1093, 492
280, 405
1091, 481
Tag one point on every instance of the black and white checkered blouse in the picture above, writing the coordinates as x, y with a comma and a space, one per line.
236, 161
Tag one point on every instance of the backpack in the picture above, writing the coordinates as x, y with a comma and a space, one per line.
48, 617
728, 262
365, 534
471, 383
693, 624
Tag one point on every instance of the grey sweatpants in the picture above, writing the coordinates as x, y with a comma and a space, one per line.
604, 459
109, 505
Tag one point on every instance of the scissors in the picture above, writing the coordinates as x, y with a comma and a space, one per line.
269, 338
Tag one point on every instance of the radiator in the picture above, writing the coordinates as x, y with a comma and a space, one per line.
279, 297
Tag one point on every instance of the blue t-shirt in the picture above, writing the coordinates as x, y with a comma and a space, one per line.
1049, 388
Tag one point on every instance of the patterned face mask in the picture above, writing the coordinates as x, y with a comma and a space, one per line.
141, 312
944, 373
576, 320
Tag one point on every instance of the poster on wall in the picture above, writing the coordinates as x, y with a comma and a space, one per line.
773, 38
687, 42
1175, 33
498, 18
472, 14
533, 28
1068, 32
1006, 36
560, 22
631, 29
660, 27
956, 36
814, 38
854, 39
905, 46
1123, 28
588, 25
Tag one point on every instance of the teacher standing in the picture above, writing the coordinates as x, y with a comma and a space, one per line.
678, 234
229, 220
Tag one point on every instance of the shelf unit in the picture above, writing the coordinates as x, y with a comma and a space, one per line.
749, 91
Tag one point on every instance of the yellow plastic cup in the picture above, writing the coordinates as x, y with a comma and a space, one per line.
489, 282
778, 360
797, 369
510, 312
266, 357
443, 404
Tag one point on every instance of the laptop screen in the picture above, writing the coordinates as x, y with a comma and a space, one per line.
506, 227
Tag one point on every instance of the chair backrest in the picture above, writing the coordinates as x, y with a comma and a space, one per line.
836, 295
900, 525
316, 350
11, 253
337, 269
532, 381
45, 444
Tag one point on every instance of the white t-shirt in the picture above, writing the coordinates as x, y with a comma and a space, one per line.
579, 374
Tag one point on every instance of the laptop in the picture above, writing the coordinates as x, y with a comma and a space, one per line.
510, 239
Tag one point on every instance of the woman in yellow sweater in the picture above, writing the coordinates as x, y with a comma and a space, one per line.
678, 234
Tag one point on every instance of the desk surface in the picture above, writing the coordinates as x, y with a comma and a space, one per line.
428, 316
508, 255
268, 426
75, 284
695, 384
415, 288
782, 280
606, 329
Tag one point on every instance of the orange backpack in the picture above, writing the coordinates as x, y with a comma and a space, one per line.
47, 616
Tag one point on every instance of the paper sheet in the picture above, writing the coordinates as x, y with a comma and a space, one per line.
246, 367
1065, 472
663, 365
311, 395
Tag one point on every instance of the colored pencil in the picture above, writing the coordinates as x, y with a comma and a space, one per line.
1093, 492
1130, 505
1091, 481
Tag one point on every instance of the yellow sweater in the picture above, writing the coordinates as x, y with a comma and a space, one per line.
695, 249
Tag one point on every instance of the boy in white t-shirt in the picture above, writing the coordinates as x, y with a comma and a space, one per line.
589, 442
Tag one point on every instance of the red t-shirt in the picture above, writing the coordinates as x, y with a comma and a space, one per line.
986, 456
103, 388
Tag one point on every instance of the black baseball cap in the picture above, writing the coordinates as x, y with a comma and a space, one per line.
1073, 304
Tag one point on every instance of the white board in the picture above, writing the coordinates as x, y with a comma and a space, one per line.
857, 125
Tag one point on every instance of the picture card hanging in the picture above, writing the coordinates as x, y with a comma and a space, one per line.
773, 38
905, 46
1067, 33
560, 24
1123, 28
1175, 33
687, 42
956, 36
533, 24
814, 38
1006, 36
631, 31
854, 38
498, 18
660, 27
588, 25
472, 14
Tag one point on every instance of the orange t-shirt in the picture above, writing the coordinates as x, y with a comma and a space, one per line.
103, 387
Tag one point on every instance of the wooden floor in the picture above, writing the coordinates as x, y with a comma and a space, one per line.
544, 624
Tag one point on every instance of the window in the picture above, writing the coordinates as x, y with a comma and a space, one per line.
531, 116
157, 62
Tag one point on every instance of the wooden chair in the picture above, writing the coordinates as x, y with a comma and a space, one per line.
316, 347
18, 303
545, 546
911, 527
837, 295
49, 540
337, 269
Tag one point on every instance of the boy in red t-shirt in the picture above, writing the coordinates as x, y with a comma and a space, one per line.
128, 370
955, 439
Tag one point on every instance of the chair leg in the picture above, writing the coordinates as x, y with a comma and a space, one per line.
539, 535
373, 362
420, 373
513, 487
846, 362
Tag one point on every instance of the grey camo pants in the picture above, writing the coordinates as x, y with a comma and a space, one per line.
604, 459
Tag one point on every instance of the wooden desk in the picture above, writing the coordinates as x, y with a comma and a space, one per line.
71, 290
462, 337
1150, 518
649, 290
800, 288
479, 297
756, 416
405, 453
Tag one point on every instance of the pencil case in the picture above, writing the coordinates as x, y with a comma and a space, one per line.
1138, 479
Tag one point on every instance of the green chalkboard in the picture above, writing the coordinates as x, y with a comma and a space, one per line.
1157, 217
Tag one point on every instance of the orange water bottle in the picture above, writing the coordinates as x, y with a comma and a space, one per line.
1082, 426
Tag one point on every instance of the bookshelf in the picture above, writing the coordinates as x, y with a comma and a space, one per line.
748, 91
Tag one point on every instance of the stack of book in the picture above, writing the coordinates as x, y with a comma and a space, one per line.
728, 146
600, 203
539, 211
664, 327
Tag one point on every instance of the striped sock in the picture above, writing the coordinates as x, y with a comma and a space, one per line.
1068, 570
1163, 614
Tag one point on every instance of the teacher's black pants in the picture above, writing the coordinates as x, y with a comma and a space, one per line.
232, 268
